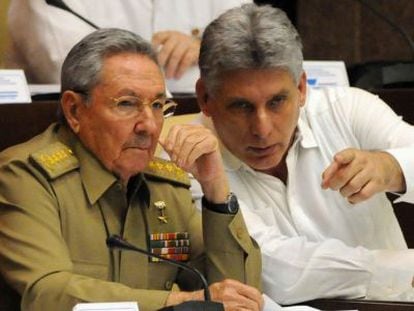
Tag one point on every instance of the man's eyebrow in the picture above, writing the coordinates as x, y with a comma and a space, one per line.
127, 91
237, 99
161, 95
130, 92
283, 92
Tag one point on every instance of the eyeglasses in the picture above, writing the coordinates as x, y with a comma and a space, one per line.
131, 106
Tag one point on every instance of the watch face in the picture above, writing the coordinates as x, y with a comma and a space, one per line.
233, 204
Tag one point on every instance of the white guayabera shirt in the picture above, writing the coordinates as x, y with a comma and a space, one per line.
314, 243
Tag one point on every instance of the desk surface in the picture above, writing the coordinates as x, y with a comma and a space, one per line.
360, 305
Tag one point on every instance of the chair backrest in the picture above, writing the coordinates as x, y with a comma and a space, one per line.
20, 122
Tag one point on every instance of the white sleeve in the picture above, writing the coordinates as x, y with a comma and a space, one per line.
297, 270
377, 127
42, 35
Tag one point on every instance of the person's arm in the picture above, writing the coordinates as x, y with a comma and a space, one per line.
296, 269
384, 162
177, 52
42, 35
231, 253
293, 265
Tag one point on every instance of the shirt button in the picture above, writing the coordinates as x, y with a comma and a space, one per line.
168, 285
240, 233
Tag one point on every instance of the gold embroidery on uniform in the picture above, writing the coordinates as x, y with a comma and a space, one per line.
50, 161
168, 168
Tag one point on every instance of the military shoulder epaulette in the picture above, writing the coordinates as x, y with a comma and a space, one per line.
167, 170
55, 160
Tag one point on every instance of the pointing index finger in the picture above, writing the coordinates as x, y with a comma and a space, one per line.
343, 157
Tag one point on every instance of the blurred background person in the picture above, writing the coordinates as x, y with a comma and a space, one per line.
41, 34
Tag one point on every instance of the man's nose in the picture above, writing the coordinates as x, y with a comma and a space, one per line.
147, 120
261, 124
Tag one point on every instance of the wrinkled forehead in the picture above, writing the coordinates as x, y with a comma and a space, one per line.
239, 81
133, 71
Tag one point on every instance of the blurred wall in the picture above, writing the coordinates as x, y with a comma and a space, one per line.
346, 30
4, 4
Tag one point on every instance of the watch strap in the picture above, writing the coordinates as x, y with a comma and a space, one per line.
231, 205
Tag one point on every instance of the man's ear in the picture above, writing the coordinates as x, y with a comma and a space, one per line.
202, 96
302, 89
71, 104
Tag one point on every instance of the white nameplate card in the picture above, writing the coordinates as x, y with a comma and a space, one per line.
107, 306
13, 87
325, 73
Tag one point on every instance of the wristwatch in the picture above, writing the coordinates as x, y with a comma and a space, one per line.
231, 206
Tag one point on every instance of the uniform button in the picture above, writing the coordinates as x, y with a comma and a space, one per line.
195, 32
240, 233
168, 285
118, 186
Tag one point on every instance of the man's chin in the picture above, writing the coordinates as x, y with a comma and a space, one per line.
262, 164
133, 162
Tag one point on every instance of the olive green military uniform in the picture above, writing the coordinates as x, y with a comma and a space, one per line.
58, 205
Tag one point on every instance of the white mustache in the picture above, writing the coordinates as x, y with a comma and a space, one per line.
141, 141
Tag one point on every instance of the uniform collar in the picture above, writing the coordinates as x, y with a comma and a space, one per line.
96, 179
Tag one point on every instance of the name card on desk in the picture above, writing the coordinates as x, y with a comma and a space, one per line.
13, 87
326, 73
107, 306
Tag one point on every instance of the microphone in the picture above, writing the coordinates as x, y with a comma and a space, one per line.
62, 5
116, 242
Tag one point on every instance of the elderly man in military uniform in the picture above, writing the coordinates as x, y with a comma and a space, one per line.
93, 174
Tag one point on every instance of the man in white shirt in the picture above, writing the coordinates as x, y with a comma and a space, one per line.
310, 167
42, 35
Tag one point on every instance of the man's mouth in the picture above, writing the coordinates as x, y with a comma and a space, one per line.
262, 151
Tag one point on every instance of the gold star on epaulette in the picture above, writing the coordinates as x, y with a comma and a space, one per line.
55, 160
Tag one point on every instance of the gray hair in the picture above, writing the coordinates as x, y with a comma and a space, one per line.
82, 66
250, 37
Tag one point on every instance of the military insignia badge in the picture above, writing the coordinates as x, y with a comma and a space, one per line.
170, 245
160, 205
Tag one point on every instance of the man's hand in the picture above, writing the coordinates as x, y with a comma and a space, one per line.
176, 52
195, 149
358, 175
233, 294
236, 296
